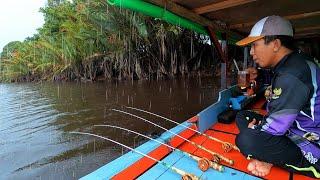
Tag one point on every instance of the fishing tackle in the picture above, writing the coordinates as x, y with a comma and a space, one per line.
226, 146
203, 163
184, 175
216, 157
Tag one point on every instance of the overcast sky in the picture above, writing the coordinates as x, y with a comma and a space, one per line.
19, 19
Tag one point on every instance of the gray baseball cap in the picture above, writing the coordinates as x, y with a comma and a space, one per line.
268, 26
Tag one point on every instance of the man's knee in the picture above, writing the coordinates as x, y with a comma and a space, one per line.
246, 141
241, 120
241, 115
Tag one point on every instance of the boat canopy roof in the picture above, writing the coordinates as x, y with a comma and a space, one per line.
240, 15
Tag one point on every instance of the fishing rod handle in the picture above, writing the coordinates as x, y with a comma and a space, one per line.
219, 156
216, 166
185, 175
224, 144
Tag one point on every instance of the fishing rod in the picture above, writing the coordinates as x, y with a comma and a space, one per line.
216, 157
203, 163
226, 146
185, 175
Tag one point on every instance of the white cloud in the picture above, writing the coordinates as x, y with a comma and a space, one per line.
19, 19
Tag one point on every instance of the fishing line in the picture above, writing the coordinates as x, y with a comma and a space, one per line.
216, 157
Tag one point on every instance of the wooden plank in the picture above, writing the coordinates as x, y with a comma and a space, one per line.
231, 128
186, 164
301, 177
290, 17
217, 45
307, 35
228, 173
143, 164
307, 29
156, 171
240, 161
175, 0
188, 14
184, 12
159, 169
307, 32
303, 15
112, 168
220, 5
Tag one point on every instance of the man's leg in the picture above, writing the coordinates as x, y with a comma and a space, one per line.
276, 150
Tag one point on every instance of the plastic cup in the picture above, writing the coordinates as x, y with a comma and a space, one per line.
243, 79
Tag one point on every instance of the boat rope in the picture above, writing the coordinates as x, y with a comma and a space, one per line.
202, 162
216, 157
225, 145
174, 169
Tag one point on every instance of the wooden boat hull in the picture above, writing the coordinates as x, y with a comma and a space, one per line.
134, 166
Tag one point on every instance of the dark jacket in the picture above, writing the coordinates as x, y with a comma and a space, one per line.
294, 103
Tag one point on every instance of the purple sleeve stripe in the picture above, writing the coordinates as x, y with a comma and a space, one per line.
279, 122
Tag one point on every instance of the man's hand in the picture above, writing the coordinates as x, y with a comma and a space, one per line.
253, 123
253, 72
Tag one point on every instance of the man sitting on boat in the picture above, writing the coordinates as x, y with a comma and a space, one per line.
288, 136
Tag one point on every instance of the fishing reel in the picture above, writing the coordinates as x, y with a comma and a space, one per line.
216, 159
189, 177
204, 164
227, 147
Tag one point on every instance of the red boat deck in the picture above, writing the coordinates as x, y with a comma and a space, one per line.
225, 132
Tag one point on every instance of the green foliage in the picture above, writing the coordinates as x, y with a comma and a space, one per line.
81, 39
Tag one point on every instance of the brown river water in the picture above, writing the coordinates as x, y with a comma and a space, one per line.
35, 121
